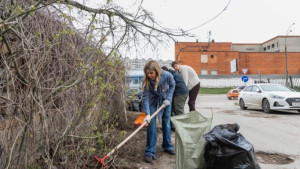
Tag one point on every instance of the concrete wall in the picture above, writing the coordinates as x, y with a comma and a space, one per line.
277, 44
274, 45
293, 44
247, 47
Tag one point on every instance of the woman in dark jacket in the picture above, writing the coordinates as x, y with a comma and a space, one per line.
181, 92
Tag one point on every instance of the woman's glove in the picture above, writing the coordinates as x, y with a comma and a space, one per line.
147, 119
166, 102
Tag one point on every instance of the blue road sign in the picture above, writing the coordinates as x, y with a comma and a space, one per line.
245, 78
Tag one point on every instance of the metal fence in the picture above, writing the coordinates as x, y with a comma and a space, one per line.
220, 81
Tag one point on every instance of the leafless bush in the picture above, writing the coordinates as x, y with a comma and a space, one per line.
57, 91
61, 90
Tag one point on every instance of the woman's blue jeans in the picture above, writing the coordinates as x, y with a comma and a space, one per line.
152, 134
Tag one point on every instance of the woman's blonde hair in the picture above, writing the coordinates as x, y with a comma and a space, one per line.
152, 65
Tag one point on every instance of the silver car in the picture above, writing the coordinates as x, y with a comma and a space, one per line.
269, 97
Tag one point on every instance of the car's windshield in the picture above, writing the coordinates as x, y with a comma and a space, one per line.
241, 87
274, 88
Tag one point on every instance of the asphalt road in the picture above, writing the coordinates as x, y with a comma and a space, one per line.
278, 132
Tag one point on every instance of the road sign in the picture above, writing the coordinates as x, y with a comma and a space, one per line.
245, 78
245, 71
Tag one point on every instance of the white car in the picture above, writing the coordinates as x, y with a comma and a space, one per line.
269, 97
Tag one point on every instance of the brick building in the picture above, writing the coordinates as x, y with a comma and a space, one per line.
216, 58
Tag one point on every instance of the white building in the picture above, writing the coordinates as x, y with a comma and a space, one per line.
135, 72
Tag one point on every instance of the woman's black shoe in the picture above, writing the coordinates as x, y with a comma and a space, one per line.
171, 152
148, 159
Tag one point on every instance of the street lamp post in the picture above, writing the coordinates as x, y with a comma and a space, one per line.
285, 56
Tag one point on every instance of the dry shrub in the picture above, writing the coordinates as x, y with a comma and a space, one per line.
60, 96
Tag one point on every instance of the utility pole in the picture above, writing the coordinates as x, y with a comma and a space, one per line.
285, 56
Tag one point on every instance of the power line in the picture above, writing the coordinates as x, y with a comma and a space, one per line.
210, 19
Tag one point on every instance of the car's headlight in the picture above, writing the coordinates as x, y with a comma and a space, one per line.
276, 96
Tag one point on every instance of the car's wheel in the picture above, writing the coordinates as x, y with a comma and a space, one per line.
266, 106
299, 111
242, 104
232, 98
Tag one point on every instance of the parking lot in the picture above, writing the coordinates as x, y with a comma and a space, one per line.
277, 133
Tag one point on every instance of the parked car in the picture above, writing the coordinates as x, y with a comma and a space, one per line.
132, 91
269, 97
137, 101
240, 88
233, 94
130, 97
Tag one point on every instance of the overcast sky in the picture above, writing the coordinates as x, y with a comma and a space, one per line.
243, 21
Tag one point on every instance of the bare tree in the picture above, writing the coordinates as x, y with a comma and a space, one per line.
61, 78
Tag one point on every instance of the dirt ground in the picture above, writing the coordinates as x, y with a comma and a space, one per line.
272, 158
131, 154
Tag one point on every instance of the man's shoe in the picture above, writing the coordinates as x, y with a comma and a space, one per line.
148, 159
171, 152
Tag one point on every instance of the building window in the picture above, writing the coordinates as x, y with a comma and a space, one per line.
203, 58
265, 48
211, 56
273, 45
203, 72
277, 44
268, 47
214, 72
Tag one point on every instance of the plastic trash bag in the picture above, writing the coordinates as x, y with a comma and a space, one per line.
227, 149
189, 141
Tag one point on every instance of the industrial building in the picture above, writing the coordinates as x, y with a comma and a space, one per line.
273, 56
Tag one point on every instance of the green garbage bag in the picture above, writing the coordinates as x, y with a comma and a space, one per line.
189, 140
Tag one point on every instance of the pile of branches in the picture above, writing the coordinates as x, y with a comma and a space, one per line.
60, 95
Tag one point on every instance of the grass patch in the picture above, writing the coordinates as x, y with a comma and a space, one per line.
297, 89
214, 90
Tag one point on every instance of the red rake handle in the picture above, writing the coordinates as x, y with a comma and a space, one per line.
101, 161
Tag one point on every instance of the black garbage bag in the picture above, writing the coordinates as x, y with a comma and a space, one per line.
227, 149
